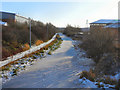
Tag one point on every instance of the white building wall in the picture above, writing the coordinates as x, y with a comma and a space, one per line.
21, 19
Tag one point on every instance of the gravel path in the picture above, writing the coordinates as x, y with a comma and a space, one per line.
55, 71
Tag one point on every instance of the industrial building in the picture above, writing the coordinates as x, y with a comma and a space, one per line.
107, 23
12, 17
111, 25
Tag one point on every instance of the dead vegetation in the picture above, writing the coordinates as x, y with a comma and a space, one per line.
99, 45
15, 37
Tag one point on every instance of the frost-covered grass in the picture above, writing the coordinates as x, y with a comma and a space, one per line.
33, 48
89, 75
92, 78
100, 82
116, 76
91, 84
18, 66
57, 45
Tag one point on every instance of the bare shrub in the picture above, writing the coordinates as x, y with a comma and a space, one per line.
70, 30
98, 43
15, 35
110, 81
88, 75
5, 52
107, 65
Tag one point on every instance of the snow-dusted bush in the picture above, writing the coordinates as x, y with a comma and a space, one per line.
92, 76
89, 75
15, 67
18, 35
98, 43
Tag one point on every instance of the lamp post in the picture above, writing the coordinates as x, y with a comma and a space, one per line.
30, 31
47, 31
87, 24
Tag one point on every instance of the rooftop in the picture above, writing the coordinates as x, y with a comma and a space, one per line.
7, 12
106, 21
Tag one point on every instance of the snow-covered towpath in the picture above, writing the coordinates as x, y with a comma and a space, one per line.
55, 71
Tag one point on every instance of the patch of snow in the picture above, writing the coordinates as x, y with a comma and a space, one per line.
22, 54
20, 65
85, 83
117, 76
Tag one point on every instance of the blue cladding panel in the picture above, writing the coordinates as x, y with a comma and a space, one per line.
113, 26
6, 15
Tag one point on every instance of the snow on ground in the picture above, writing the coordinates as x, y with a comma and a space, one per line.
85, 83
54, 71
81, 57
59, 70
12, 70
83, 61
117, 76
22, 54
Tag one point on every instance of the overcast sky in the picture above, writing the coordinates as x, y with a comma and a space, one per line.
60, 13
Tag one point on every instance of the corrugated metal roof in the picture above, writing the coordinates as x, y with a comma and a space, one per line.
113, 26
106, 21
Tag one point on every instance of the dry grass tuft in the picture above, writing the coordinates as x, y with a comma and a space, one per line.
38, 42
89, 75
26, 47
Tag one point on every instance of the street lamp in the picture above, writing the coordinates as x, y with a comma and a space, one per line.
30, 31
47, 31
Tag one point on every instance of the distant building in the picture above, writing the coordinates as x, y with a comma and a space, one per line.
12, 17
108, 24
